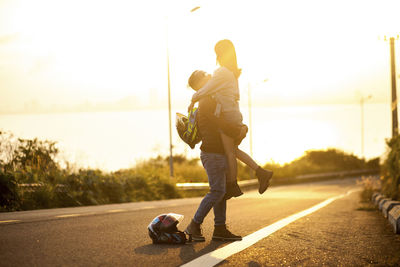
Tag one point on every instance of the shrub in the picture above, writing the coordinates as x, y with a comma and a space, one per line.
139, 187
34, 162
9, 199
40, 198
370, 186
391, 170
320, 161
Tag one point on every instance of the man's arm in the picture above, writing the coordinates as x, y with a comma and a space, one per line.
215, 84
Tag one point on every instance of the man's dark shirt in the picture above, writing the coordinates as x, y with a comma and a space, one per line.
209, 126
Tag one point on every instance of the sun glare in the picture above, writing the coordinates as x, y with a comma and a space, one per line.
70, 53
91, 45
114, 49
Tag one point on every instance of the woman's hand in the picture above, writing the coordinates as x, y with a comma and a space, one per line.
190, 106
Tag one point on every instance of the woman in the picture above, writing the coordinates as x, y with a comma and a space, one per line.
223, 85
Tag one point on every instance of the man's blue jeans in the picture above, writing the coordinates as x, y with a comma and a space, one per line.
215, 166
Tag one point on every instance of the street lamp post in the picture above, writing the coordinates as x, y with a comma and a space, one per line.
250, 122
250, 118
171, 161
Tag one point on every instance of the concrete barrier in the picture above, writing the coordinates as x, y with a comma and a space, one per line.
378, 198
394, 218
374, 195
382, 202
388, 206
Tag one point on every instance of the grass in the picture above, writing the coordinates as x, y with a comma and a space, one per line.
366, 207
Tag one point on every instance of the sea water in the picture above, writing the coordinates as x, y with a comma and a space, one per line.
115, 140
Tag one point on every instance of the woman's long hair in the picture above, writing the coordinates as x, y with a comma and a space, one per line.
226, 56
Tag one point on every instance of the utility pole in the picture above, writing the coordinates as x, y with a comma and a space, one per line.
250, 123
395, 127
171, 162
250, 120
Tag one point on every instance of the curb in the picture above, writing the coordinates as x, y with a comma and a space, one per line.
388, 206
390, 210
394, 218
377, 199
374, 195
382, 202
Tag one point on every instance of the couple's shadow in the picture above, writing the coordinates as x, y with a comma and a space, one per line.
187, 251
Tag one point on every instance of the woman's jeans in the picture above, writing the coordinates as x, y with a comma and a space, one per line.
215, 166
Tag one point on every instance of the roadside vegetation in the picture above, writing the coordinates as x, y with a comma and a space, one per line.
370, 185
390, 174
389, 181
32, 177
322, 161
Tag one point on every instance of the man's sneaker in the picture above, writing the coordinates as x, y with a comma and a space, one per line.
194, 232
221, 233
232, 190
263, 179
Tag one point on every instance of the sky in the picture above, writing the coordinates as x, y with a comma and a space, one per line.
98, 55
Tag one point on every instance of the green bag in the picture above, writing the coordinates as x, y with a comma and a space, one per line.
187, 128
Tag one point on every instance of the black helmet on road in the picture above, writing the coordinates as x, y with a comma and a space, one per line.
163, 229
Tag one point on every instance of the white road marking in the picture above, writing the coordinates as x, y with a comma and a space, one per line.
102, 212
10, 221
88, 213
68, 215
216, 256
113, 211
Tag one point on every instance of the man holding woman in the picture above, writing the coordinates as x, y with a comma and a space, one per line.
221, 127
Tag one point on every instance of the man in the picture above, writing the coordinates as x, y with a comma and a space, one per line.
200, 80
215, 163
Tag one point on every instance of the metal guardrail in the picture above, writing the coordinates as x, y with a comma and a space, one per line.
35, 186
286, 180
203, 186
243, 184
30, 187
337, 174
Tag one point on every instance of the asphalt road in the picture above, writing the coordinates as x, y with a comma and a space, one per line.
116, 235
